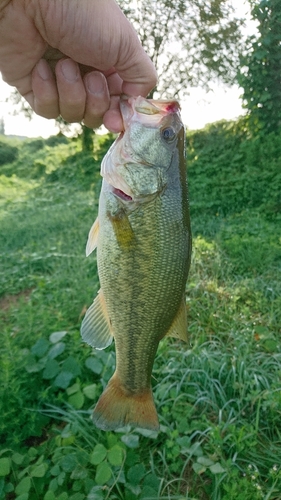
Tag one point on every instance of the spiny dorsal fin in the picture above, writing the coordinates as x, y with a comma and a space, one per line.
179, 325
93, 238
96, 329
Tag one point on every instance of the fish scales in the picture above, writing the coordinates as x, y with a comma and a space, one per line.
143, 254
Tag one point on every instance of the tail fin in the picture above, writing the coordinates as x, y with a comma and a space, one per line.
116, 409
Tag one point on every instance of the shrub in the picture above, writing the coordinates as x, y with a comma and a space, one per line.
8, 153
230, 171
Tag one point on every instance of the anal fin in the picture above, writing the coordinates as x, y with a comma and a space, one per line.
96, 328
178, 328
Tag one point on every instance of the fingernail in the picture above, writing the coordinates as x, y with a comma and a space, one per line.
43, 69
95, 83
69, 70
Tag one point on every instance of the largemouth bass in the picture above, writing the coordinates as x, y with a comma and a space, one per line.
143, 242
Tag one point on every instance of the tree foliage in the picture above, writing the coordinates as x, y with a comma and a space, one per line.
260, 75
189, 41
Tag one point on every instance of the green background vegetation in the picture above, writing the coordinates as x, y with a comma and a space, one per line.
218, 397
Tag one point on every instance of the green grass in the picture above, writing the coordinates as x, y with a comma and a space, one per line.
218, 398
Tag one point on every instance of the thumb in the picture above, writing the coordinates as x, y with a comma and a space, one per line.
133, 64
138, 74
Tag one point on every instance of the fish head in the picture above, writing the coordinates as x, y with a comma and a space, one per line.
135, 168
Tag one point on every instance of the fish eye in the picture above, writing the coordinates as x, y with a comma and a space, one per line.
168, 134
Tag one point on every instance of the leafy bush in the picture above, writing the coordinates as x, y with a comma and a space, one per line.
33, 145
8, 153
230, 171
80, 167
54, 140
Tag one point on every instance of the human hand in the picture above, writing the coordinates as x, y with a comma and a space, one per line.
73, 58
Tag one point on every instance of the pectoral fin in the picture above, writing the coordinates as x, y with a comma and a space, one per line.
123, 230
179, 325
92, 238
96, 329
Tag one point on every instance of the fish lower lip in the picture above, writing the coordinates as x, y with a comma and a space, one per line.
122, 195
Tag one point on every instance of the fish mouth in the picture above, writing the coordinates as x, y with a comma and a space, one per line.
120, 194
133, 202
147, 111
